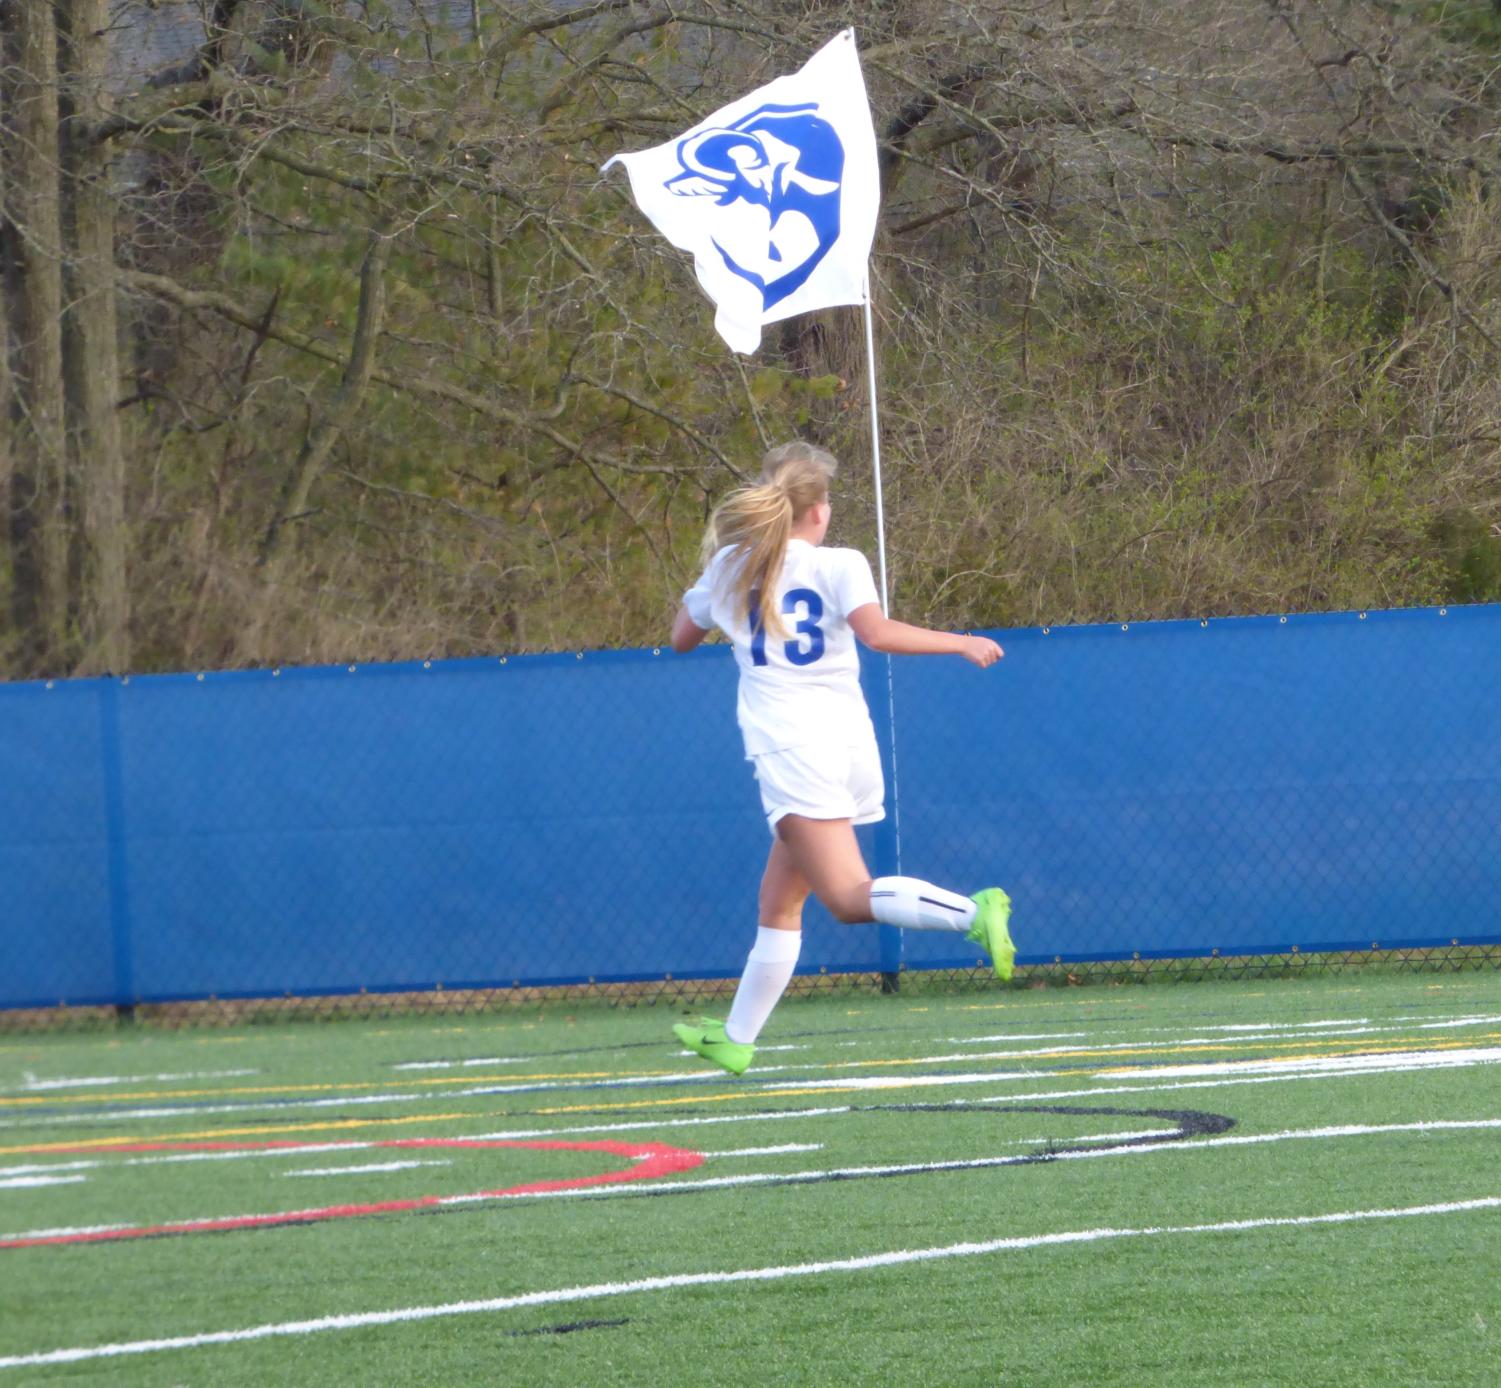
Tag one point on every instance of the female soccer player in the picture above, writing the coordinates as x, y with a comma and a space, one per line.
808, 732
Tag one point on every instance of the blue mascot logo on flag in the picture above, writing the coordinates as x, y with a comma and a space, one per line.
777, 174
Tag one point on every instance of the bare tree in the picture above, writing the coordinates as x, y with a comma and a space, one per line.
1179, 310
95, 453
38, 518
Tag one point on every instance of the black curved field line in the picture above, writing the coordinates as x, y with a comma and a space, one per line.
571, 1327
1190, 1123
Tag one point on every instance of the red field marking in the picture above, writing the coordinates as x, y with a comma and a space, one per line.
649, 1160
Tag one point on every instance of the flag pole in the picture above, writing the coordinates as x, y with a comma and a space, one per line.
875, 447
889, 833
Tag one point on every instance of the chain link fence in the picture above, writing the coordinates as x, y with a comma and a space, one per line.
1168, 799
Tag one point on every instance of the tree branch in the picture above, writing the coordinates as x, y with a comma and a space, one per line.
210, 301
348, 399
1405, 244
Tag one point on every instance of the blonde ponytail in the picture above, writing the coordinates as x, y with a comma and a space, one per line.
758, 522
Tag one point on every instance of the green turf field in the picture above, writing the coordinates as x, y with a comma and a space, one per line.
1294, 1182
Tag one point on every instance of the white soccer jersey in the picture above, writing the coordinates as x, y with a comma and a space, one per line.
804, 688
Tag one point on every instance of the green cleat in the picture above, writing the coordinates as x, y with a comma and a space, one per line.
709, 1040
990, 930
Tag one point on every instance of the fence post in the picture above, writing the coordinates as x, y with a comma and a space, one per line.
114, 843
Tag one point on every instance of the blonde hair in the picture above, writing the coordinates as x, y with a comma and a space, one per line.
758, 521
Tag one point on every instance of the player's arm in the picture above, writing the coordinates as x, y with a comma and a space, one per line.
882, 633
686, 633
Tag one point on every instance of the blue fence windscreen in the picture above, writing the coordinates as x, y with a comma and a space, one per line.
1165, 789
1249, 786
57, 939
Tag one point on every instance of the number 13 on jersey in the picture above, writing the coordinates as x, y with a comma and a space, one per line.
807, 645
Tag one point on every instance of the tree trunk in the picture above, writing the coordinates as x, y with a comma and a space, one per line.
38, 519
7, 435
92, 342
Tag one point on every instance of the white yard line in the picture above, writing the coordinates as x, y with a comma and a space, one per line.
635, 1124
70, 1231
1094, 1137
1291, 1026
95, 1116
970, 1057
32, 1085
900, 1081
1406, 1060
193, 1110
169, 1158
462, 1064
762, 1178
767, 1151
1023, 1036
1060, 1095
1228, 1075
1101, 1090
1489, 1056
30, 1182
361, 1170
1313, 1030
1240, 1036
831, 1267
1393, 1062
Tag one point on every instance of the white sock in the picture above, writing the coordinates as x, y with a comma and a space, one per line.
768, 970
919, 905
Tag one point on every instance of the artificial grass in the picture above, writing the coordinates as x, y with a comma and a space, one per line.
1407, 1301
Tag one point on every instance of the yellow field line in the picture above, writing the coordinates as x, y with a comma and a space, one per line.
259, 1130
732, 1096
138, 1096
918, 1081
1398, 1046
739, 1095
1333, 1047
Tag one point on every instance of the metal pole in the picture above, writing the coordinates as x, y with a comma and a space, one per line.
889, 834
875, 447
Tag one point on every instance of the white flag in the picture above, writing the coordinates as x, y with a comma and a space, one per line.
775, 195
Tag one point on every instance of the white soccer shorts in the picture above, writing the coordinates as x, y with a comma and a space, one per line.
822, 782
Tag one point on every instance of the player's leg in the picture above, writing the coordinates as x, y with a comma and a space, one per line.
827, 854
768, 970
773, 957
784, 890
820, 853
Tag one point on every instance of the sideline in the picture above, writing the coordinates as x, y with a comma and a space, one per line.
704, 1279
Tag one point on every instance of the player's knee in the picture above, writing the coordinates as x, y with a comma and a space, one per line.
786, 916
782, 904
851, 907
